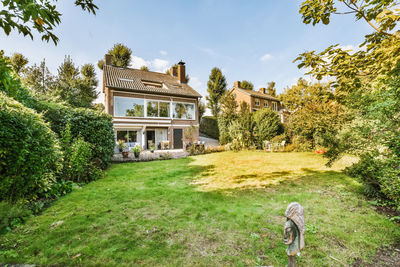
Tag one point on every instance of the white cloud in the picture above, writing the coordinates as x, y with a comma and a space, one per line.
164, 53
157, 64
266, 57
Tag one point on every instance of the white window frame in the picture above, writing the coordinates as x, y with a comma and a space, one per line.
274, 106
257, 102
265, 103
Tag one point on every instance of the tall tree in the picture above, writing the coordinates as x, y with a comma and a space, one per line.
216, 87
38, 78
201, 109
246, 85
18, 62
77, 88
303, 93
121, 56
30, 16
271, 89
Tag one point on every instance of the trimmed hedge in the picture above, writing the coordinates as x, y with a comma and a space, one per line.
209, 126
29, 152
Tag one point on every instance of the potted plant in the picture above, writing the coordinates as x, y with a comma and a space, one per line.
121, 145
125, 154
136, 151
152, 148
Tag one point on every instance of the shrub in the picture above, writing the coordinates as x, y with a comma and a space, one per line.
266, 125
209, 126
29, 152
301, 144
12, 215
93, 126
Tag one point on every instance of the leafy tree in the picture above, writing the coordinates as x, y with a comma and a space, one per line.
121, 56
271, 89
77, 88
303, 93
201, 109
144, 68
246, 85
29, 16
99, 107
241, 129
227, 115
266, 125
18, 63
38, 78
216, 87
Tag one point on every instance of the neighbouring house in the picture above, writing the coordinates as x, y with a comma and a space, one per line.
258, 100
150, 108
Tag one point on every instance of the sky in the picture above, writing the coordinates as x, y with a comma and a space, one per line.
253, 40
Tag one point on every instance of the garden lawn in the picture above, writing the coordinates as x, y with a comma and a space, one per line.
217, 209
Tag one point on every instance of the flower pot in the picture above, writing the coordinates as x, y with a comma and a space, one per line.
125, 154
137, 154
120, 150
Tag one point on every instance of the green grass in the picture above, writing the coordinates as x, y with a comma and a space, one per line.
217, 209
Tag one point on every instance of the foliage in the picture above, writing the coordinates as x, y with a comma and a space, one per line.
77, 88
189, 134
304, 93
137, 149
201, 109
18, 62
209, 126
227, 116
241, 130
271, 90
144, 68
29, 152
196, 149
266, 125
38, 78
246, 85
121, 56
121, 145
216, 87
12, 215
29, 16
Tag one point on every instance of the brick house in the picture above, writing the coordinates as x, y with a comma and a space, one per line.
258, 100
150, 108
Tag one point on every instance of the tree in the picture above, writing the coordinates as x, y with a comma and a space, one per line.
77, 88
121, 56
144, 68
246, 85
241, 129
266, 125
18, 63
271, 89
201, 109
216, 87
227, 115
303, 93
29, 16
38, 78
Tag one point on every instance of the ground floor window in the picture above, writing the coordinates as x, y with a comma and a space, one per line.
127, 136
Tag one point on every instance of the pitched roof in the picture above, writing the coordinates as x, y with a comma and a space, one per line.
134, 80
255, 93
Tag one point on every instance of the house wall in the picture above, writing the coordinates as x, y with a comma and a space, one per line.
169, 124
241, 97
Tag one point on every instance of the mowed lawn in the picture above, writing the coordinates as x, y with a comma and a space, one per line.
210, 210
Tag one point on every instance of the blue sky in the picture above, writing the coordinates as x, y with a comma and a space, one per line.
253, 40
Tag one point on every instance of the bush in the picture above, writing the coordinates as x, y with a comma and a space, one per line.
93, 126
301, 144
266, 125
380, 176
29, 152
209, 126
12, 215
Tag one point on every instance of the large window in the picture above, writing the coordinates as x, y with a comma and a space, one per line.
128, 107
274, 106
257, 102
157, 109
127, 136
183, 111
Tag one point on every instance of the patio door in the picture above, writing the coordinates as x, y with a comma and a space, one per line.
178, 143
151, 138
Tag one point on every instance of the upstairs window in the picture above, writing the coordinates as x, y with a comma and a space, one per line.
183, 111
257, 102
152, 84
157, 109
128, 107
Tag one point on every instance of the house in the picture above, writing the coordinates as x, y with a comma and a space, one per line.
258, 100
150, 108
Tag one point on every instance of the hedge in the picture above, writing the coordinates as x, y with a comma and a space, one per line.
29, 152
209, 126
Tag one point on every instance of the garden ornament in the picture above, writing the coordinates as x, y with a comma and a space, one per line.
294, 231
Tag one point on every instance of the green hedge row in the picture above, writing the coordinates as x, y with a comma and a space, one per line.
209, 126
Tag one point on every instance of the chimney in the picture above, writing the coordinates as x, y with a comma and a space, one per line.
262, 90
107, 60
173, 71
236, 84
181, 72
